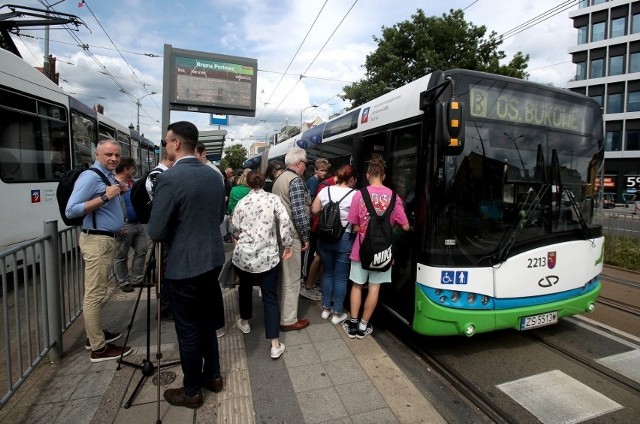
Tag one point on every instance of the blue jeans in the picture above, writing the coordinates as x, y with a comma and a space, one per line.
335, 265
191, 301
269, 286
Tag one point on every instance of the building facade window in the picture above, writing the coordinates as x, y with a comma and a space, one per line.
634, 62
613, 142
598, 31
583, 4
635, 23
583, 35
597, 68
616, 65
619, 27
633, 140
633, 101
598, 2
581, 71
598, 98
614, 103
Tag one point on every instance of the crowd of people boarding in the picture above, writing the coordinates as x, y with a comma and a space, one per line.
270, 218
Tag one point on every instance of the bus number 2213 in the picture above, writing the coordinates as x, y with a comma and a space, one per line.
537, 262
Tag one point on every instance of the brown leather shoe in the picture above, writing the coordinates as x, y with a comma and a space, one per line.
299, 325
176, 397
216, 384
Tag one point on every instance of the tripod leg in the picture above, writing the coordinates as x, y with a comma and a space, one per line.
129, 327
158, 328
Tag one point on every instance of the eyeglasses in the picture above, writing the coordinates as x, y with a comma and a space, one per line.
164, 142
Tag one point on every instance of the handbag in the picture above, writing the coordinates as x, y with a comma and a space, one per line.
227, 274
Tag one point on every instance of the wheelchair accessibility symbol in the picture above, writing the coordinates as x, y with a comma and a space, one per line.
454, 277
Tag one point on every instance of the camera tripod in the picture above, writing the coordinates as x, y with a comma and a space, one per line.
152, 273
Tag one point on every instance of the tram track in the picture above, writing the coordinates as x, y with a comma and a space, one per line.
589, 364
464, 386
621, 306
622, 281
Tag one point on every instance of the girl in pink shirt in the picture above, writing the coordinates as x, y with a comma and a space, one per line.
359, 217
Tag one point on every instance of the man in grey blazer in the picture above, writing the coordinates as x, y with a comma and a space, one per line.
188, 207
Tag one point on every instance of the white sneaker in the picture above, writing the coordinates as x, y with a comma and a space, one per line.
277, 351
245, 328
337, 319
325, 313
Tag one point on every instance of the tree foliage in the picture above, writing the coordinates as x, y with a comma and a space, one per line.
233, 157
414, 48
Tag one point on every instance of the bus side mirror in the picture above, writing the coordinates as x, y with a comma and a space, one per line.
452, 125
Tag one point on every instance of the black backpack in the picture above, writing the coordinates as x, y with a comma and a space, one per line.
329, 225
65, 188
376, 247
140, 199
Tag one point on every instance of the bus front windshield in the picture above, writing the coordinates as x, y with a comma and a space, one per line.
526, 176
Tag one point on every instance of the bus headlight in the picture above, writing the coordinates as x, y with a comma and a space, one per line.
471, 298
591, 307
469, 330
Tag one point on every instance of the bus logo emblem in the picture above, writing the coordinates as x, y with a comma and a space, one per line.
365, 116
35, 196
551, 260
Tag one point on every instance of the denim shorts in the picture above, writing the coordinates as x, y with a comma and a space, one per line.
361, 276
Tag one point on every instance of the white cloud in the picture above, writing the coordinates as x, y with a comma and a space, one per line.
270, 31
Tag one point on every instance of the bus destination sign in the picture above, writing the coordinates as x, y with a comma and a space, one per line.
526, 108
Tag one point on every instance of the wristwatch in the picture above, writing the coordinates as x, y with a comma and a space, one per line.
104, 198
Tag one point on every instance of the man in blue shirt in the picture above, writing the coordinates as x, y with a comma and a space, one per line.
103, 221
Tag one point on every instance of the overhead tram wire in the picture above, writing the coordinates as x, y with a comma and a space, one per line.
292, 59
86, 49
562, 7
103, 67
314, 59
121, 55
152, 55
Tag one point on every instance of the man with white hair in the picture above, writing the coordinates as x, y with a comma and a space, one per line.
294, 194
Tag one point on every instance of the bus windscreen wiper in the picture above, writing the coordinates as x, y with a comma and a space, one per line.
512, 235
574, 205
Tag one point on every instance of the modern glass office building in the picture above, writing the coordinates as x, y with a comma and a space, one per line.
607, 60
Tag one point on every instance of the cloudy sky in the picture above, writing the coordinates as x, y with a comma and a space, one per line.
326, 41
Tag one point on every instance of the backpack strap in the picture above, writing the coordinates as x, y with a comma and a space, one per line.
343, 197
99, 172
106, 182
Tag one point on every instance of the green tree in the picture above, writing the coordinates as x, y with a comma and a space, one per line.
414, 48
234, 156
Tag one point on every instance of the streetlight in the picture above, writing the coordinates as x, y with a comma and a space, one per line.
138, 104
308, 107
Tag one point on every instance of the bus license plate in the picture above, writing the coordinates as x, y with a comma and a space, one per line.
539, 320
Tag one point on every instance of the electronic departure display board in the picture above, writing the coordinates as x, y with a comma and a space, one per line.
210, 83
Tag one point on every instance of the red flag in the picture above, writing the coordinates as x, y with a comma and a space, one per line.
81, 3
